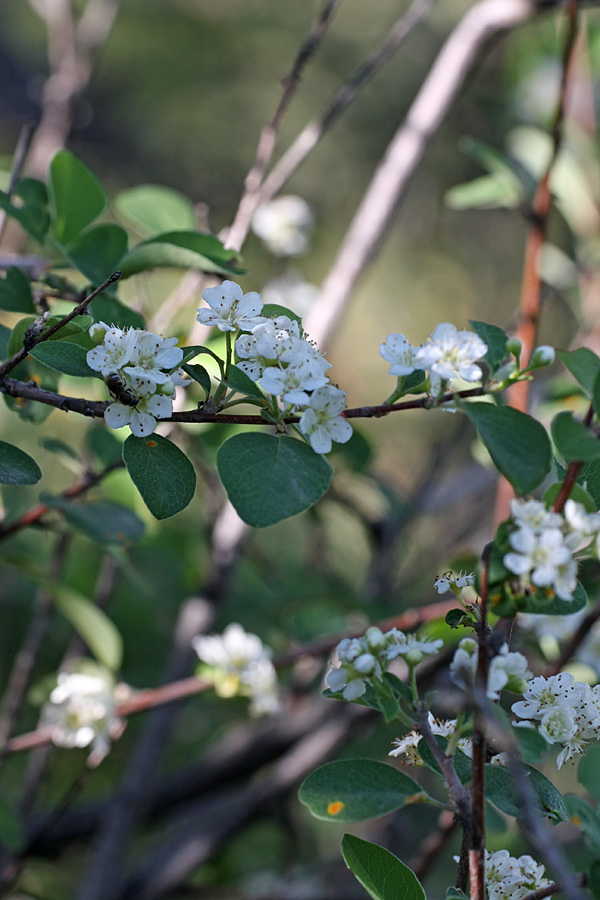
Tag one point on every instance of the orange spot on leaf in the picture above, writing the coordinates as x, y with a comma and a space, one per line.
334, 808
151, 444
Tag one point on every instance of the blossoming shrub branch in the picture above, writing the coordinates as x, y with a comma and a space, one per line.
504, 716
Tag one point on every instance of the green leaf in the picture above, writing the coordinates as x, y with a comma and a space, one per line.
551, 800
584, 365
182, 250
76, 197
199, 374
16, 467
545, 602
499, 790
98, 251
32, 215
269, 478
486, 192
243, 384
92, 625
163, 475
594, 879
349, 790
18, 333
65, 357
588, 771
573, 440
462, 763
585, 818
149, 208
578, 493
106, 308
517, 443
103, 521
414, 382
532, 746
12, 833
272, 310
54, 445
104, 445
495, 339
456, 618
15, 292
381, 873
4, 341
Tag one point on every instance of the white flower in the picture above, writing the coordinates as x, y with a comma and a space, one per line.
538, 554
398, 351
412, 648
322, 422
230, 309
142, 417
115, 351
546, 693
507, 878
81, 711
151, 354
407, 747
284, 224
450, 354
291, 383
240, 664
557, 725
444, 582
534, 515
507, 670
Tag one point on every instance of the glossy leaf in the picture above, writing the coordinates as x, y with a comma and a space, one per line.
269, 478
15, 292
98, 251
243, 384
163, 475
584, 366
517, 443
17, 467
150, 208
76, 197
573, 440
65, 357
181, 250
349, 790
381, 873
495, 339
92, 624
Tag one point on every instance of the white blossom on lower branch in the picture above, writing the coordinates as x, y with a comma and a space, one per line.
322, 423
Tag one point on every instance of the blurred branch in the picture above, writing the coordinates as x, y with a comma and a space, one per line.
485, 20
21, 151
248, 203
73, 45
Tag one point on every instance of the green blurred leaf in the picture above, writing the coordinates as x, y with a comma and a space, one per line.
486, 192
65, 357
4, 341
98, 251
103, 521
12, 833
585, 818
588, 771
584, 366
149, 208
594, 879
92, 625
32, 215
54, 445
17, 467
106, 308
163, 475
381, 873
578, 493
269, 478
349, 790
76, 197
15, 292
573, 440
182, 250
532, 746
517, 443
104, 445
356, 453
495, 339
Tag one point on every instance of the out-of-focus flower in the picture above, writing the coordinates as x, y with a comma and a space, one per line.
81, 711
285, 225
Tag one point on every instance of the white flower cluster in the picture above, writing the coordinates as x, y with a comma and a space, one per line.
507, 670
448, 354
275, 354
543, 543
407, 747
364, 660
136, 366
510, 878
238, 664
567, 712
81, 711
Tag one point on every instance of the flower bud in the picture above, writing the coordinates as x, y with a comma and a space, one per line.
413, 657
375, 639
168, 388
469, 646
97, 332
542, 356
514, 347
365, 664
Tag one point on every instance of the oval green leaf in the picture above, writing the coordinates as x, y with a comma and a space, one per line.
349, 790
15, 292
17, 467
181, 250
149, 208
97, 252
62, 356
269, 478
163, 475
517, 443
584, 366
76, 197
381, 873
573, 440
495, 340
92, 625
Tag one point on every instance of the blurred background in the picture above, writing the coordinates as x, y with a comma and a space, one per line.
175, 94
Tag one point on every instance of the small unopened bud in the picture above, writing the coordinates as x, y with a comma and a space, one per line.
542, 356
514, 347
413, 657
97, 332
365, 664
468, 645
375, 639
168, 388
